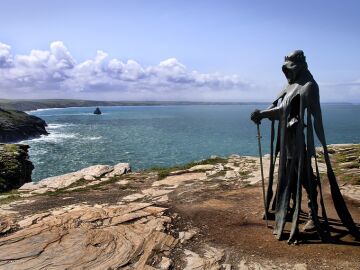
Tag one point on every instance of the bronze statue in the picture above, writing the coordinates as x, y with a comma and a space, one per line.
297, 113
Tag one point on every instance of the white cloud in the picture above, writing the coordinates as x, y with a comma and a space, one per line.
5, 56
43, 72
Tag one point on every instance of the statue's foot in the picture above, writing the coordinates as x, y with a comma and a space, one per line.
309, 226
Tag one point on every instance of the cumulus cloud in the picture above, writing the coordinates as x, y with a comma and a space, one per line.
5, 56
56, 71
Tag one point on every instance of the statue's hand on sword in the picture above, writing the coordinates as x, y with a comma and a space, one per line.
256, 117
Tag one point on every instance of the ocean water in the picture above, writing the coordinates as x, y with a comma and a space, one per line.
148, 136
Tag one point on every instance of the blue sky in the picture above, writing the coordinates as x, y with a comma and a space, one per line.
175, 50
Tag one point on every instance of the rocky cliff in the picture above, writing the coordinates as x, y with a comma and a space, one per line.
16, 126
15, 166
199, 216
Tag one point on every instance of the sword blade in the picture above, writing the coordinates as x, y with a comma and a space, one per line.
262, 172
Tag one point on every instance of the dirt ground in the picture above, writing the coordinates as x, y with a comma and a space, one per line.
232, 220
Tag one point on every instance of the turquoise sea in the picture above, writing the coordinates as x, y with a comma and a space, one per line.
148, 136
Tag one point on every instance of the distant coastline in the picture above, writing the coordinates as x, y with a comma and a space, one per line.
36, 104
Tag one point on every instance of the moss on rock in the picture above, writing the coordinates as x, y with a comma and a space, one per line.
15, 166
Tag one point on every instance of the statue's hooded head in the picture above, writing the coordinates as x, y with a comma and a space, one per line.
295, 64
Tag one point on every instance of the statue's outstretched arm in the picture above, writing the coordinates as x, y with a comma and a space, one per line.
272, 112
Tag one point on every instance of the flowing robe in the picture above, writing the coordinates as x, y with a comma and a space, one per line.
297, 114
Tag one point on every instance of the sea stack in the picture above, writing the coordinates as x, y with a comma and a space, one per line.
97, 111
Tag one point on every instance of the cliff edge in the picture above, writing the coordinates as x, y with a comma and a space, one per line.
199, 216
16, 126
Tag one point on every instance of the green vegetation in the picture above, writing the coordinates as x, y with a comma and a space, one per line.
17, 125
165, 171
10, 196
345, 160
245, 174
82, 182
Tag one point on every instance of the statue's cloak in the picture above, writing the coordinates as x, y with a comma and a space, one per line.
303, 98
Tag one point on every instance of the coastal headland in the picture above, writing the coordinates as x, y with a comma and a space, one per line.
202, 215
16, 126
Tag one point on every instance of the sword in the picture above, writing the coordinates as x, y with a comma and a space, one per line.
262, 172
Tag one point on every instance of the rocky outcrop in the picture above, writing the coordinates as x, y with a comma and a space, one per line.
16, 126
84, 237
206, 216
15, 166
92, 175
97, 111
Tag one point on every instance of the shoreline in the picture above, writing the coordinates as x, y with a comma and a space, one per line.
34, 105
174, 167
160, 167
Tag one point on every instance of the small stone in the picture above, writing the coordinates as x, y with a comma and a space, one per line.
300, 266
231, 175
185, 236
133, 197
226, 266
89, 177
122, 182
119, 169
206, 167
165, 263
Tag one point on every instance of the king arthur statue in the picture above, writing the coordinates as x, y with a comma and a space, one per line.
295, 115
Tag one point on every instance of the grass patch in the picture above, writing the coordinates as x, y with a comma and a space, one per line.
163, 172
11, 196
218, 174
247, 185
80, 183
245, 174
341, 170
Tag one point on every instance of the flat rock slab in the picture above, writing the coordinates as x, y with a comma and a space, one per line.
119, 169
175, 180
63, 181
85, 237
205, 167
351, 191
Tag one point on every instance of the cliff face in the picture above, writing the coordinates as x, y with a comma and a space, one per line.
16, 126
15, 166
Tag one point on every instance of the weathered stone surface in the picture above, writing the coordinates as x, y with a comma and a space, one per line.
65, 180
231, 174
205, 167
351, 191
130, 232
87, 237
164, 264
185, 236
210, 261
156, 192
89, 177
175, 180
7, 223
133, 197
119, 169
15, 166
